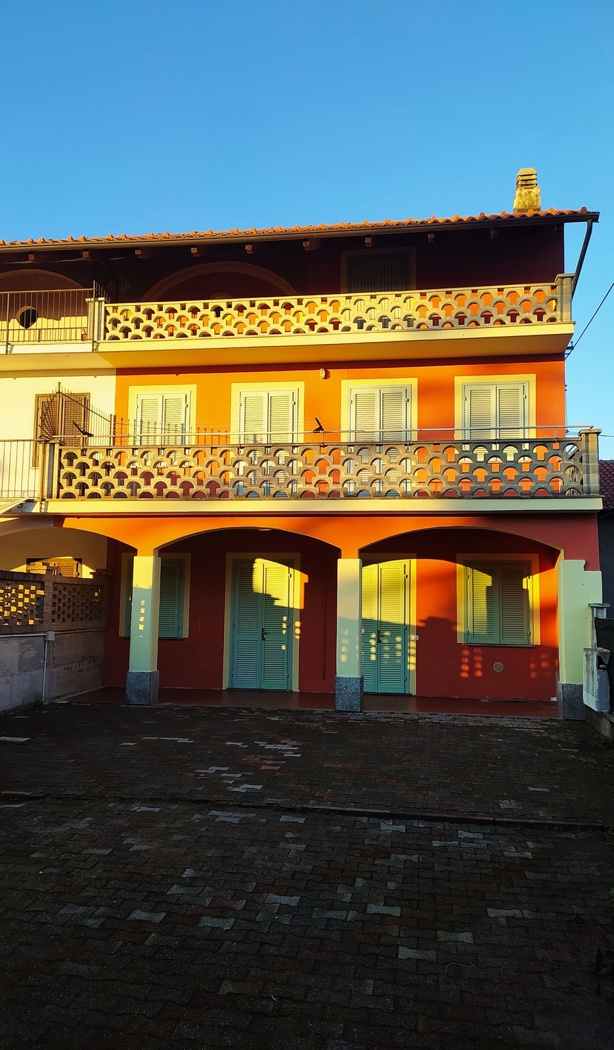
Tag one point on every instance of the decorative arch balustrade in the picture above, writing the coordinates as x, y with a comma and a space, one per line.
451, 469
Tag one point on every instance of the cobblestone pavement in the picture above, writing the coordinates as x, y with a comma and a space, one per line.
177, 880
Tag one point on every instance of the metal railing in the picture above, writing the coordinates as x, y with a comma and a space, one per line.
19, 476
64, 315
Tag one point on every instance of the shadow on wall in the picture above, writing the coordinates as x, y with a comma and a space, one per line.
447, 667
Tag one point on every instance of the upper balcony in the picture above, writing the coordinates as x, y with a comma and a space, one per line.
485, 321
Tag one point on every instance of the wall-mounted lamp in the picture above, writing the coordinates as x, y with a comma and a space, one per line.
324, 373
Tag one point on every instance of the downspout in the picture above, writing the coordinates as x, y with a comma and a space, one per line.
587, 237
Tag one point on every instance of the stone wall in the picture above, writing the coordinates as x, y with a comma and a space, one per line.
74, 665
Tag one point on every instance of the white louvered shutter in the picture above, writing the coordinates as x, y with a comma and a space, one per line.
281, 423
175, 416
364, 414
395, 405
267, 416
495, 410
149, 411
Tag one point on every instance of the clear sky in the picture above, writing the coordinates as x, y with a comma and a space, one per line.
148, 115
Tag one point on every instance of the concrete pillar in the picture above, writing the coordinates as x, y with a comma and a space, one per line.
349, 678
577, 589
142, 681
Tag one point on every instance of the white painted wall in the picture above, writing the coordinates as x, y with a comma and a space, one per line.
18, 397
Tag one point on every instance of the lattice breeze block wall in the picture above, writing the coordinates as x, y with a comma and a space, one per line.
75, 603
21, 600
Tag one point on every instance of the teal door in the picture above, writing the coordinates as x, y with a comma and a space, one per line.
385, 627
261, 625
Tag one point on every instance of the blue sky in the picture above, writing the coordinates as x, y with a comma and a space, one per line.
146, 115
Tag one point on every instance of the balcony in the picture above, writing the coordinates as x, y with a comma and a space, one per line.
228, 331
216, 473
30, 319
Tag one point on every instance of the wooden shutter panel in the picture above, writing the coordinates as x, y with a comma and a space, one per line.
364, 414
175, 413
149, 417
246, 626
514, 607
253, 416
281, 422
369, 627
481, 604
394, 413
511, 400
392, 616
74, 411
480, 411
171, 598
276, 624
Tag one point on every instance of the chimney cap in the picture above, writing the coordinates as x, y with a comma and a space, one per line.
528, 194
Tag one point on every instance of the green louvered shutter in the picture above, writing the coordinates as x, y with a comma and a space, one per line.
369, 627
277, 625
172, 591
172, 572
393, 627
246, 627
515, 611
481, 605
385, 627
497, 603
261, 624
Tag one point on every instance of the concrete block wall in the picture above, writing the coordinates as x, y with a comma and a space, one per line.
74, 665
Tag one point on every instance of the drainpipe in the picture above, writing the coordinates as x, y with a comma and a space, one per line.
48, 637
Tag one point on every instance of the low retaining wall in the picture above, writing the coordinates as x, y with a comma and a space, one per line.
74, 665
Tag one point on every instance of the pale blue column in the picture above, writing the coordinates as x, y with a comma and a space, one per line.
142, 681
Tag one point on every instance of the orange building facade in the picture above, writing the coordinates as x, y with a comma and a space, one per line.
328, 459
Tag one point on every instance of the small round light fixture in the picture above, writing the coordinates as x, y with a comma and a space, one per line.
27, 316
324, 373
498, 666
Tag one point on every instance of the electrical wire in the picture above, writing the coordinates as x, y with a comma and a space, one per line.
572, 348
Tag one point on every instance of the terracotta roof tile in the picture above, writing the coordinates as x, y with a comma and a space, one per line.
289, 231
606, 482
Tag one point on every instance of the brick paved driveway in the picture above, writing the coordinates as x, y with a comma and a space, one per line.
204, 878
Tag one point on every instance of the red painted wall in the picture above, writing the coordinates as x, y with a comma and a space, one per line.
445, 667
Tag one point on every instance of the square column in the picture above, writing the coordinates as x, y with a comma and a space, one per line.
349, 678
142, 680
577, 589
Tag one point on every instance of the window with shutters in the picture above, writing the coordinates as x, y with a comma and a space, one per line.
60, 415
496, 410
174, 595
161, 417
378, 272
380, 413
497, 602
265, 413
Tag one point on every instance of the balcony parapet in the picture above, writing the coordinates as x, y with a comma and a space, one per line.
556, 468
370, 312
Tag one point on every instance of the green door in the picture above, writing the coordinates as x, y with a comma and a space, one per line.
385, 627
261, 625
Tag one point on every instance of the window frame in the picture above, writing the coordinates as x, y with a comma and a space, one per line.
461, 383
464, 563
348, 386
365, 252
238, 392
135, 393
125, 605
